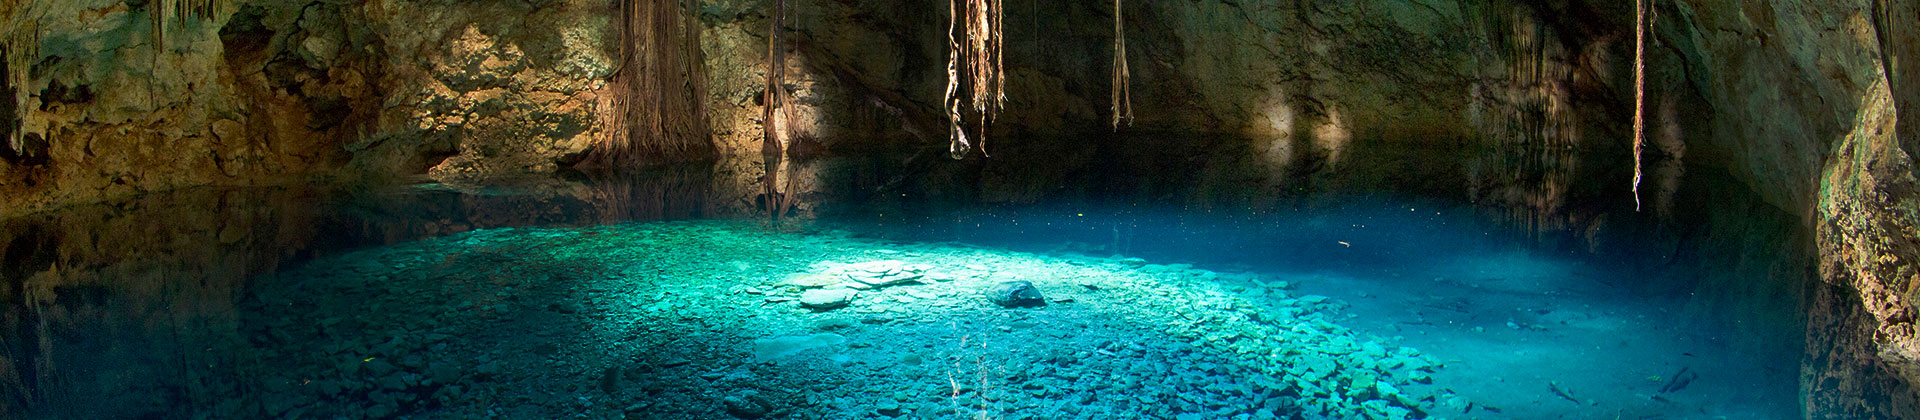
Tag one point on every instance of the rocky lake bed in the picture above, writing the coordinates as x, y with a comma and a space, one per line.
734, 320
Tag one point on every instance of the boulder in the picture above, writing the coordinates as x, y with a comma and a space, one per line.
1016, 294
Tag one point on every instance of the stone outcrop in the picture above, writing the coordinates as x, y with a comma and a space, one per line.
1868, 245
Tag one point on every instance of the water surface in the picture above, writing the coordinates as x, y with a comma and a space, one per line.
662, 295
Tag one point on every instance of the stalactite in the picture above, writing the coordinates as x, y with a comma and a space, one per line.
1639, 92
21, 50
658, 97
974, 58
161, 13
164, 12
9, 121
1122, 86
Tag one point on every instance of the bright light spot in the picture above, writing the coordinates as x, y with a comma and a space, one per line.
1333, 135
1273, 129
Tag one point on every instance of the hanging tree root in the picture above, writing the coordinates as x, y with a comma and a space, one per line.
973, 58
659, 109
772, 147
1639, 92
1122, 90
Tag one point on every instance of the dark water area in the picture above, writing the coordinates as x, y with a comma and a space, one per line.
1513, 285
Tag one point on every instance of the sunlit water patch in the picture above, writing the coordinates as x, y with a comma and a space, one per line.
1524, 331
706, 320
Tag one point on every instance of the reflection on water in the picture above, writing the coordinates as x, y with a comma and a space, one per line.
132, 305
133, 309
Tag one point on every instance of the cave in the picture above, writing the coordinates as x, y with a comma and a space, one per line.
983, 209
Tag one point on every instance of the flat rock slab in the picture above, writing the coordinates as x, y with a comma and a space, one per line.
812, 280
824, 299
876, 274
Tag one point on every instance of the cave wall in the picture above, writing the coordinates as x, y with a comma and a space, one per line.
1805, 98
287, 90
282, 91
277, 92
1868, 245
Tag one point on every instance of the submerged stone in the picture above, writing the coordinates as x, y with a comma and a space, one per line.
811, 280
769, 349
874, 274
825, 299
1015, 294
751, 407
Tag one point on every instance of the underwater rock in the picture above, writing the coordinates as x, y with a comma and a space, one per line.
750, 407
833, 323
1420, 377
825, 299
379, 366
811, 280
394, 383
876, 274
769, 349
888, 408
1014, 294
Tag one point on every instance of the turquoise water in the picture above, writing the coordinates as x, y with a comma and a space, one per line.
663, 302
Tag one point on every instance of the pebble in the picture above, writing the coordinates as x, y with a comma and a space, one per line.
750, 407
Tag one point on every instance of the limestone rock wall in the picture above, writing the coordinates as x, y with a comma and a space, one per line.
288, 90
1868, 244
1805, 99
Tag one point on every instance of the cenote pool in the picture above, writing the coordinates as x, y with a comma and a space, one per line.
993, 210
653, 296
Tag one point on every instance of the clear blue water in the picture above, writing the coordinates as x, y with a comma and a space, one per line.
658, 300
1516, 318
